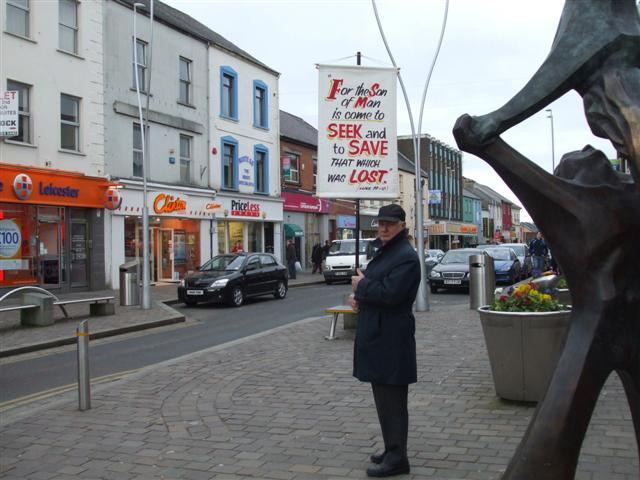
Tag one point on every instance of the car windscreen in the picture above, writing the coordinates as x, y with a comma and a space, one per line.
519, 249
453, 256
346, 248
224, 262
499, 253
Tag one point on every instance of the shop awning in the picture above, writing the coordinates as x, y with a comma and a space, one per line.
292, 230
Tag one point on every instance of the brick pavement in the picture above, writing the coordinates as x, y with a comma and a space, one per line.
283, 405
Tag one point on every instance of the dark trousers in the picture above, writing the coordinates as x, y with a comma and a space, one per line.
391, 404
292, 268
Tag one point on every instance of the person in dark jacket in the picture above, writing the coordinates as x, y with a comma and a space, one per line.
316, 258
539, 250
292, 258
385, 347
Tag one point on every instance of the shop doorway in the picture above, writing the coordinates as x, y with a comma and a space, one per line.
165, 254
79, 253
50, 247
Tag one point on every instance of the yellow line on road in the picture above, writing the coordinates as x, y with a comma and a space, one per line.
17, 402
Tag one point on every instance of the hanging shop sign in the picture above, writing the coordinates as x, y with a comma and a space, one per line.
357, 146
346, 221
435, 197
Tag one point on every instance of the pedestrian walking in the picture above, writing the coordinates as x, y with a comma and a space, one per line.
292, 258
385, 348
539, 250
316, 258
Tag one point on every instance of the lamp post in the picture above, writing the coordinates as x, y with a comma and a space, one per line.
553, 146
146, 292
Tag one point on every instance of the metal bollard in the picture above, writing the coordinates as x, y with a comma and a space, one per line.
84, 384
482, 280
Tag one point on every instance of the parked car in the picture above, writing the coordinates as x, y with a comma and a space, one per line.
432, 257
341, 259
453, 270
506, 264
522, 251
232, 277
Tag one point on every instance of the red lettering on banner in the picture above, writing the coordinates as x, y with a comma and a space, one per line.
368, 147
333, 89
367, 176
344, 130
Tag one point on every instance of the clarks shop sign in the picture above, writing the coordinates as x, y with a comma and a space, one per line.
164, 203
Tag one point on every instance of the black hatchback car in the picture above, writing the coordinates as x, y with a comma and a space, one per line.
232, 277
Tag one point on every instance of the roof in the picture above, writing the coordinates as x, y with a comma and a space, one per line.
295, 128
407, 165
178, 20
469, 193
486, 194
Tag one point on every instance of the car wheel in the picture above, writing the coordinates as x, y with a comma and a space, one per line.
236, 299
190, 303
434, 289
281, 290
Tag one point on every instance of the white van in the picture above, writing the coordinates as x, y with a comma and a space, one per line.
340, 262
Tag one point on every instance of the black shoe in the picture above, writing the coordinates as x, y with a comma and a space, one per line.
378, 457
388, 469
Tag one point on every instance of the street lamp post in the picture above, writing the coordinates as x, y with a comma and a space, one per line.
553, 146
146, 291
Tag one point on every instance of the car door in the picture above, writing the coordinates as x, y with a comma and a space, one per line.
270, 272
252, 275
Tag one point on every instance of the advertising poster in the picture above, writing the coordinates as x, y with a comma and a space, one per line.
357, 146
10, 244
245, 170
9, 113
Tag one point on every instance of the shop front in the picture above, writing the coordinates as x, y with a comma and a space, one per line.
247, 223
180, 222
306, 222
52, 228
448, 235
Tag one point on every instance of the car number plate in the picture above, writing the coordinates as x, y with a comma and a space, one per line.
452, 282
195, 292
342, 273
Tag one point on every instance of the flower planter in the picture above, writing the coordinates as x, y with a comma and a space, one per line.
563, 296
523, 350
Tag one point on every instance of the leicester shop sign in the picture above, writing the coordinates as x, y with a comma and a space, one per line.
42, 186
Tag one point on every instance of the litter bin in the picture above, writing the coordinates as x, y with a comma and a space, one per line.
482, 280
129, 287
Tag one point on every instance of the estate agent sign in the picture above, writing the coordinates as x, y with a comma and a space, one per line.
357, 148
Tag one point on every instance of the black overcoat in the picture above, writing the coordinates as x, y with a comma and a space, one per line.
385, 346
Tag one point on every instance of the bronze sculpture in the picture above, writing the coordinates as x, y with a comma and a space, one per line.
596, 51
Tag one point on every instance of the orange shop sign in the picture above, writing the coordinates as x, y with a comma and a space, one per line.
164, 203
43, 186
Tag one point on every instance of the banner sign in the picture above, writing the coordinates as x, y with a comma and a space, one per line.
10, 244
245, 169
357, 146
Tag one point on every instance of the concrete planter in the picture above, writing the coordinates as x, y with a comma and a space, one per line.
523, 350
563, 296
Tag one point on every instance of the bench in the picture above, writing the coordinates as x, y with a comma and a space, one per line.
17, 307
99, 305
336, 311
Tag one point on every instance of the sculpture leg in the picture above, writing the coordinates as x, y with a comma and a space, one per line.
551, 446
631, 382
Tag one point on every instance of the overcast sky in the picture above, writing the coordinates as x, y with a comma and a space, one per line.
490, 49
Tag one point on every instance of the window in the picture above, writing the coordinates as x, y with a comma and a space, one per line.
18, 17
294, 168
68, 25
261, 156
185, 158
315, 172
185, 81
229, 163
137, 149
140, 64
228, 93
69, 123
24, 113
260, 105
